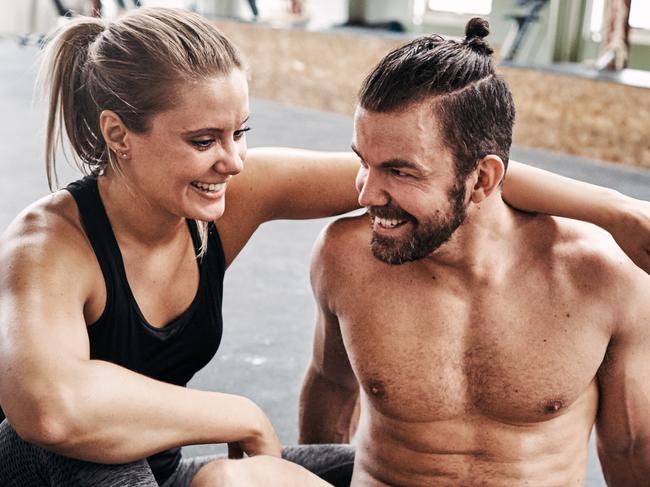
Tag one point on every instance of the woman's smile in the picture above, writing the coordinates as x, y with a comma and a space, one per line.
212, 191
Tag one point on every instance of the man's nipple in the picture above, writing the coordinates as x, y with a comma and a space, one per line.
553, 406
376, 388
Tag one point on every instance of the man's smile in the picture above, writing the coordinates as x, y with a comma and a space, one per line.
388, 223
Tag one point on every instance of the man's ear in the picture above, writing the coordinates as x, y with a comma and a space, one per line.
489, 174
115, 133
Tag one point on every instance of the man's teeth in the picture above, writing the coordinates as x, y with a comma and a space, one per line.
208, 187
388, 223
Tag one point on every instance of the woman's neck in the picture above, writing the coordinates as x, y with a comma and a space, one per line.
133, 217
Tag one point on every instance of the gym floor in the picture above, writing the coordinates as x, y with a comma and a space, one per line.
268, 308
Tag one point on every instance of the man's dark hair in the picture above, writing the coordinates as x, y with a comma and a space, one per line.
473, 105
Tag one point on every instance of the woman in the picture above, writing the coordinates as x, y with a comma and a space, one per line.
106, 311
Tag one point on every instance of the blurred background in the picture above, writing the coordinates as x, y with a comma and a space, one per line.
593, 56
578, 70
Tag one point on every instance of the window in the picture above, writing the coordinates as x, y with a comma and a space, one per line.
596, 21
273, 8
479, 7
640, 15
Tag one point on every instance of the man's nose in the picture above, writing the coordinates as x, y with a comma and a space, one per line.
371, 192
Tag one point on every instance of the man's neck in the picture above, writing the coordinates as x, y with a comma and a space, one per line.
484, 244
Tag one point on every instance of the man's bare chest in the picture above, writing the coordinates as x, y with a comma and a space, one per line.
431, 358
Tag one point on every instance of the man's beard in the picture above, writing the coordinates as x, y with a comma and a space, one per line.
425, 237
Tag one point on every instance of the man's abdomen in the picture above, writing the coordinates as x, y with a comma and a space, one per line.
475, 450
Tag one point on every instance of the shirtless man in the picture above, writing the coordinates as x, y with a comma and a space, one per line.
486, 341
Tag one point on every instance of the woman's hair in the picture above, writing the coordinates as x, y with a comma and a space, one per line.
131, 66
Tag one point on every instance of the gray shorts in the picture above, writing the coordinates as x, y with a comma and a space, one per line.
23, 464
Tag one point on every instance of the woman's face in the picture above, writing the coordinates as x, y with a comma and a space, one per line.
182, 164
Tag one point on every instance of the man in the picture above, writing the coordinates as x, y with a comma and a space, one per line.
487, 342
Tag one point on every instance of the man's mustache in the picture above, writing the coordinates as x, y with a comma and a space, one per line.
390, 212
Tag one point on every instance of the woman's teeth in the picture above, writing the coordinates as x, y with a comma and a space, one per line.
209, 188
388, 223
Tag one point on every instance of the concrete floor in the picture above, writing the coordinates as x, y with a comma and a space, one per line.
268, 309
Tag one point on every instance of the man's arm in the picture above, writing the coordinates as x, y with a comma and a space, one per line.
627, 219
330, 390
623, 423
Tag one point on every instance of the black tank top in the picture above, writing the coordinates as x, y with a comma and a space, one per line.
123, 336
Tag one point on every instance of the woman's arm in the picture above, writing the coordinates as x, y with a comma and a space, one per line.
55, 396
292, 184
295, 184
305, 184
627, 219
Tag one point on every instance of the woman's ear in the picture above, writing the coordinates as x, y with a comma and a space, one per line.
115, 133
490, 172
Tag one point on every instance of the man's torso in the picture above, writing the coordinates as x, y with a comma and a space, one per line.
487, 381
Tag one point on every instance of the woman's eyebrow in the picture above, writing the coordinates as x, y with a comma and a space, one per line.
210, 129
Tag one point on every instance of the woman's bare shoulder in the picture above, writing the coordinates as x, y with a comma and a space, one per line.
47, 234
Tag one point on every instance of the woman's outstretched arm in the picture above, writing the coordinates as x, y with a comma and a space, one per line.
279, 183
286, 184
627, 219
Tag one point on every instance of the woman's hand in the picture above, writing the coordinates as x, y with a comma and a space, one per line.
264, 441
630, 227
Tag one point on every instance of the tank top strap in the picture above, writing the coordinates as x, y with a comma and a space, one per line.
96, 224
214, 249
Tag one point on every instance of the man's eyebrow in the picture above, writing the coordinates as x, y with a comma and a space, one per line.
210, 129
395, 163
402, 164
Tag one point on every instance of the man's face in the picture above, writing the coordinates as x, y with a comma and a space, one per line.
408, 183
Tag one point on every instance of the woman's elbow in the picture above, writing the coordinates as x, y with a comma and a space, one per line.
43, 421
47, 431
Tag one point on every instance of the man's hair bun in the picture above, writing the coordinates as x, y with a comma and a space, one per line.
475, 31
477, 27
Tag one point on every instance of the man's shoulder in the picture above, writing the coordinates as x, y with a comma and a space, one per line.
346, 236
343, 245
582, 243
592, 259
605, 276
